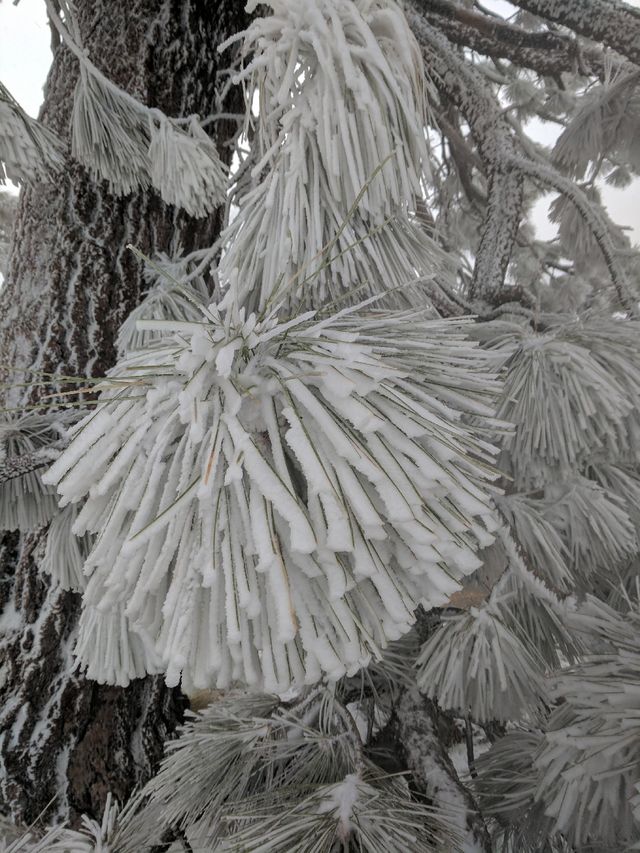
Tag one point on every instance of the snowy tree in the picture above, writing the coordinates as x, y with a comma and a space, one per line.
307, 416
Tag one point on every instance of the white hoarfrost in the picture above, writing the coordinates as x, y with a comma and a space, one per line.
28, 149
565, 402
341, 152
25, 503
272, 500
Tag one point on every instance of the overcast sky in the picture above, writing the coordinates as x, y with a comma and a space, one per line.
25, 56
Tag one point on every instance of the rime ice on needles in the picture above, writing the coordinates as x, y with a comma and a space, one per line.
538, 537
595, 526
490, 662
25, 502
92, 836
185, 167
27, 842
606, 122
272, 499
168, 297
109, 135
565, 403
250, 775
350, 75
64, 553
505, 788
369, 815
588, 763
341, 151
475, 664
28, 149
121, 140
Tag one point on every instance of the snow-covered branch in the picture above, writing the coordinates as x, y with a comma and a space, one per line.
612, 22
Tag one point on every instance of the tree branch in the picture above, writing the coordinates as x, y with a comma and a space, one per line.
416, 731
612, 22
462, 84
547, 53
507, 165
599, 228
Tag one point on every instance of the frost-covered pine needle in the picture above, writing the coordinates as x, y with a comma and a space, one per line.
25, 502
539, 538
595, 526
121, 140
341, 129
28, 149
250, 775
506, 787
588, 764
109, 135
272, 499
169, 297
606, 121
29, 842
491, 661
565, 403
475, 664
64, 553
185, 166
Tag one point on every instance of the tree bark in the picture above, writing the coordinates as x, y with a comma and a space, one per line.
66, 742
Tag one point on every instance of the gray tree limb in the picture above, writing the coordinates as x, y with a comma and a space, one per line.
460, 83
612, 22
547, 53
416, 729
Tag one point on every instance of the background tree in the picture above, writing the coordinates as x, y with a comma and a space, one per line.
543, 635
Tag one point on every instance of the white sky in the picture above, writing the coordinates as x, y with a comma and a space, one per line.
25, 57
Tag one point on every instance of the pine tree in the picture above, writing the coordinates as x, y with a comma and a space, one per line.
364, 463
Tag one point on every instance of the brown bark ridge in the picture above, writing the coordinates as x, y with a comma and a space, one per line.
65, 741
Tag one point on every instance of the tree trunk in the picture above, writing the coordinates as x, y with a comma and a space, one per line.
66, 742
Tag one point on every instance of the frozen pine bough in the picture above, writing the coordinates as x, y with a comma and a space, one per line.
271, 500
91, 837
279, 776
28, 149
271, 483
339, 157
176, 290
272, 492
28, 442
